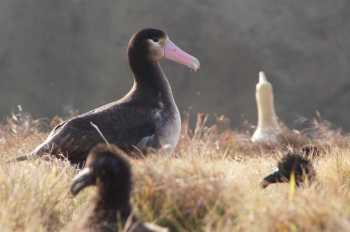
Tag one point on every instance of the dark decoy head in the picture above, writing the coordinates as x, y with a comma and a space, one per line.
292, 164
106, 164
151, 45
108, 170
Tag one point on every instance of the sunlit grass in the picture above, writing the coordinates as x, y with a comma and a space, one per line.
211, 183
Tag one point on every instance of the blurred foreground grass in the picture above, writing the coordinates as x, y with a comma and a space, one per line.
211, 183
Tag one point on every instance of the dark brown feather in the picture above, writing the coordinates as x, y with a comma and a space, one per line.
119, 125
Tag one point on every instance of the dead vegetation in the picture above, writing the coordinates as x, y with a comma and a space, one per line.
211, 183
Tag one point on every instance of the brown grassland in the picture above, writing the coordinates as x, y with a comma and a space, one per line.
211, 183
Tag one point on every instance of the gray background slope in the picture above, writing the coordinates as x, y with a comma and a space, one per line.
56, 56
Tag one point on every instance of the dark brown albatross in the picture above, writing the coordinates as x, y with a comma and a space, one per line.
146, 118
109, 170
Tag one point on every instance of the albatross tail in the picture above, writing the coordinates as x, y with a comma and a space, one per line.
36, 153
22, 158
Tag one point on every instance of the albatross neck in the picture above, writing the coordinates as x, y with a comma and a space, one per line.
150, 79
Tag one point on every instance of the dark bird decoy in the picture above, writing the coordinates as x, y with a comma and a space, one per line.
292, 164
145, 119
109, 170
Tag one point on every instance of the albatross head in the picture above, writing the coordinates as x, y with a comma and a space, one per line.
155, 44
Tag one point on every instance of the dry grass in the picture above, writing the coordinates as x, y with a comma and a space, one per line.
210, 184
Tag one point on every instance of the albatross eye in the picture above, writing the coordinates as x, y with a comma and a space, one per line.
156, 40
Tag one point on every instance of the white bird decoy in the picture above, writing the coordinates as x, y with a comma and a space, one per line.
268, 129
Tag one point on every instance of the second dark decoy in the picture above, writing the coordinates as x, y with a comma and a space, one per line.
109, 170
146, 118
296, 164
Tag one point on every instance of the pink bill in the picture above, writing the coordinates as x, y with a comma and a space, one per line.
174, 53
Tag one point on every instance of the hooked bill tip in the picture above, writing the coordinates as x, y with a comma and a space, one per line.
264, 184
195, 64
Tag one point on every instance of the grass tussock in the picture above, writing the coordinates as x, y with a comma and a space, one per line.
211, 183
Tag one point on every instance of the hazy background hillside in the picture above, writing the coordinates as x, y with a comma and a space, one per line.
56, 56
